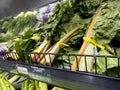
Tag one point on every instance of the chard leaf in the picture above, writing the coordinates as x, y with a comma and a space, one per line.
107, 25
101, 61
117, 50
88, 7
74, 22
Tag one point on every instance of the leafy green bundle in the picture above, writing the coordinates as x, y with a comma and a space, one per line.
106, 28
67, 15
15, 25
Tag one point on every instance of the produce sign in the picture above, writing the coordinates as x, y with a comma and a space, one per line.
81, 27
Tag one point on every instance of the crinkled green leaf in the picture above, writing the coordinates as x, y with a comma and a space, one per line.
101, 61
87, 8
108, 23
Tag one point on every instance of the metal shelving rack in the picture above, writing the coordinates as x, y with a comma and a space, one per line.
62, 77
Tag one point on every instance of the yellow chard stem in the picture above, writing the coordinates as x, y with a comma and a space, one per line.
49, 58
14, 78
88, 32
69, 34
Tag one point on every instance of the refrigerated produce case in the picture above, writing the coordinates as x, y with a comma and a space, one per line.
60, 76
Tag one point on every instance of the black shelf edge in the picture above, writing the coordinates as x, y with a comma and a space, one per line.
62, 78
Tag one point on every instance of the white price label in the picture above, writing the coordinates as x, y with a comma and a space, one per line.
22, 70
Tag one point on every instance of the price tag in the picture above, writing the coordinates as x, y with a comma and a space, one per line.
40, 73
22, 70
40, 77
37, 69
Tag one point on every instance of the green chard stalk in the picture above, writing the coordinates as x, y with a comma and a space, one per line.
43, 86
4, 83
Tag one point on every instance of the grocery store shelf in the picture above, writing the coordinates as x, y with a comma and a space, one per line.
73, 80
13, 7
62, 78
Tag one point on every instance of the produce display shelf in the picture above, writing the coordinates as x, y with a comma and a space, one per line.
63, 77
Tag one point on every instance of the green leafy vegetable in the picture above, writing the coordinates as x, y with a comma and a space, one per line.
107, 25
102, 61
